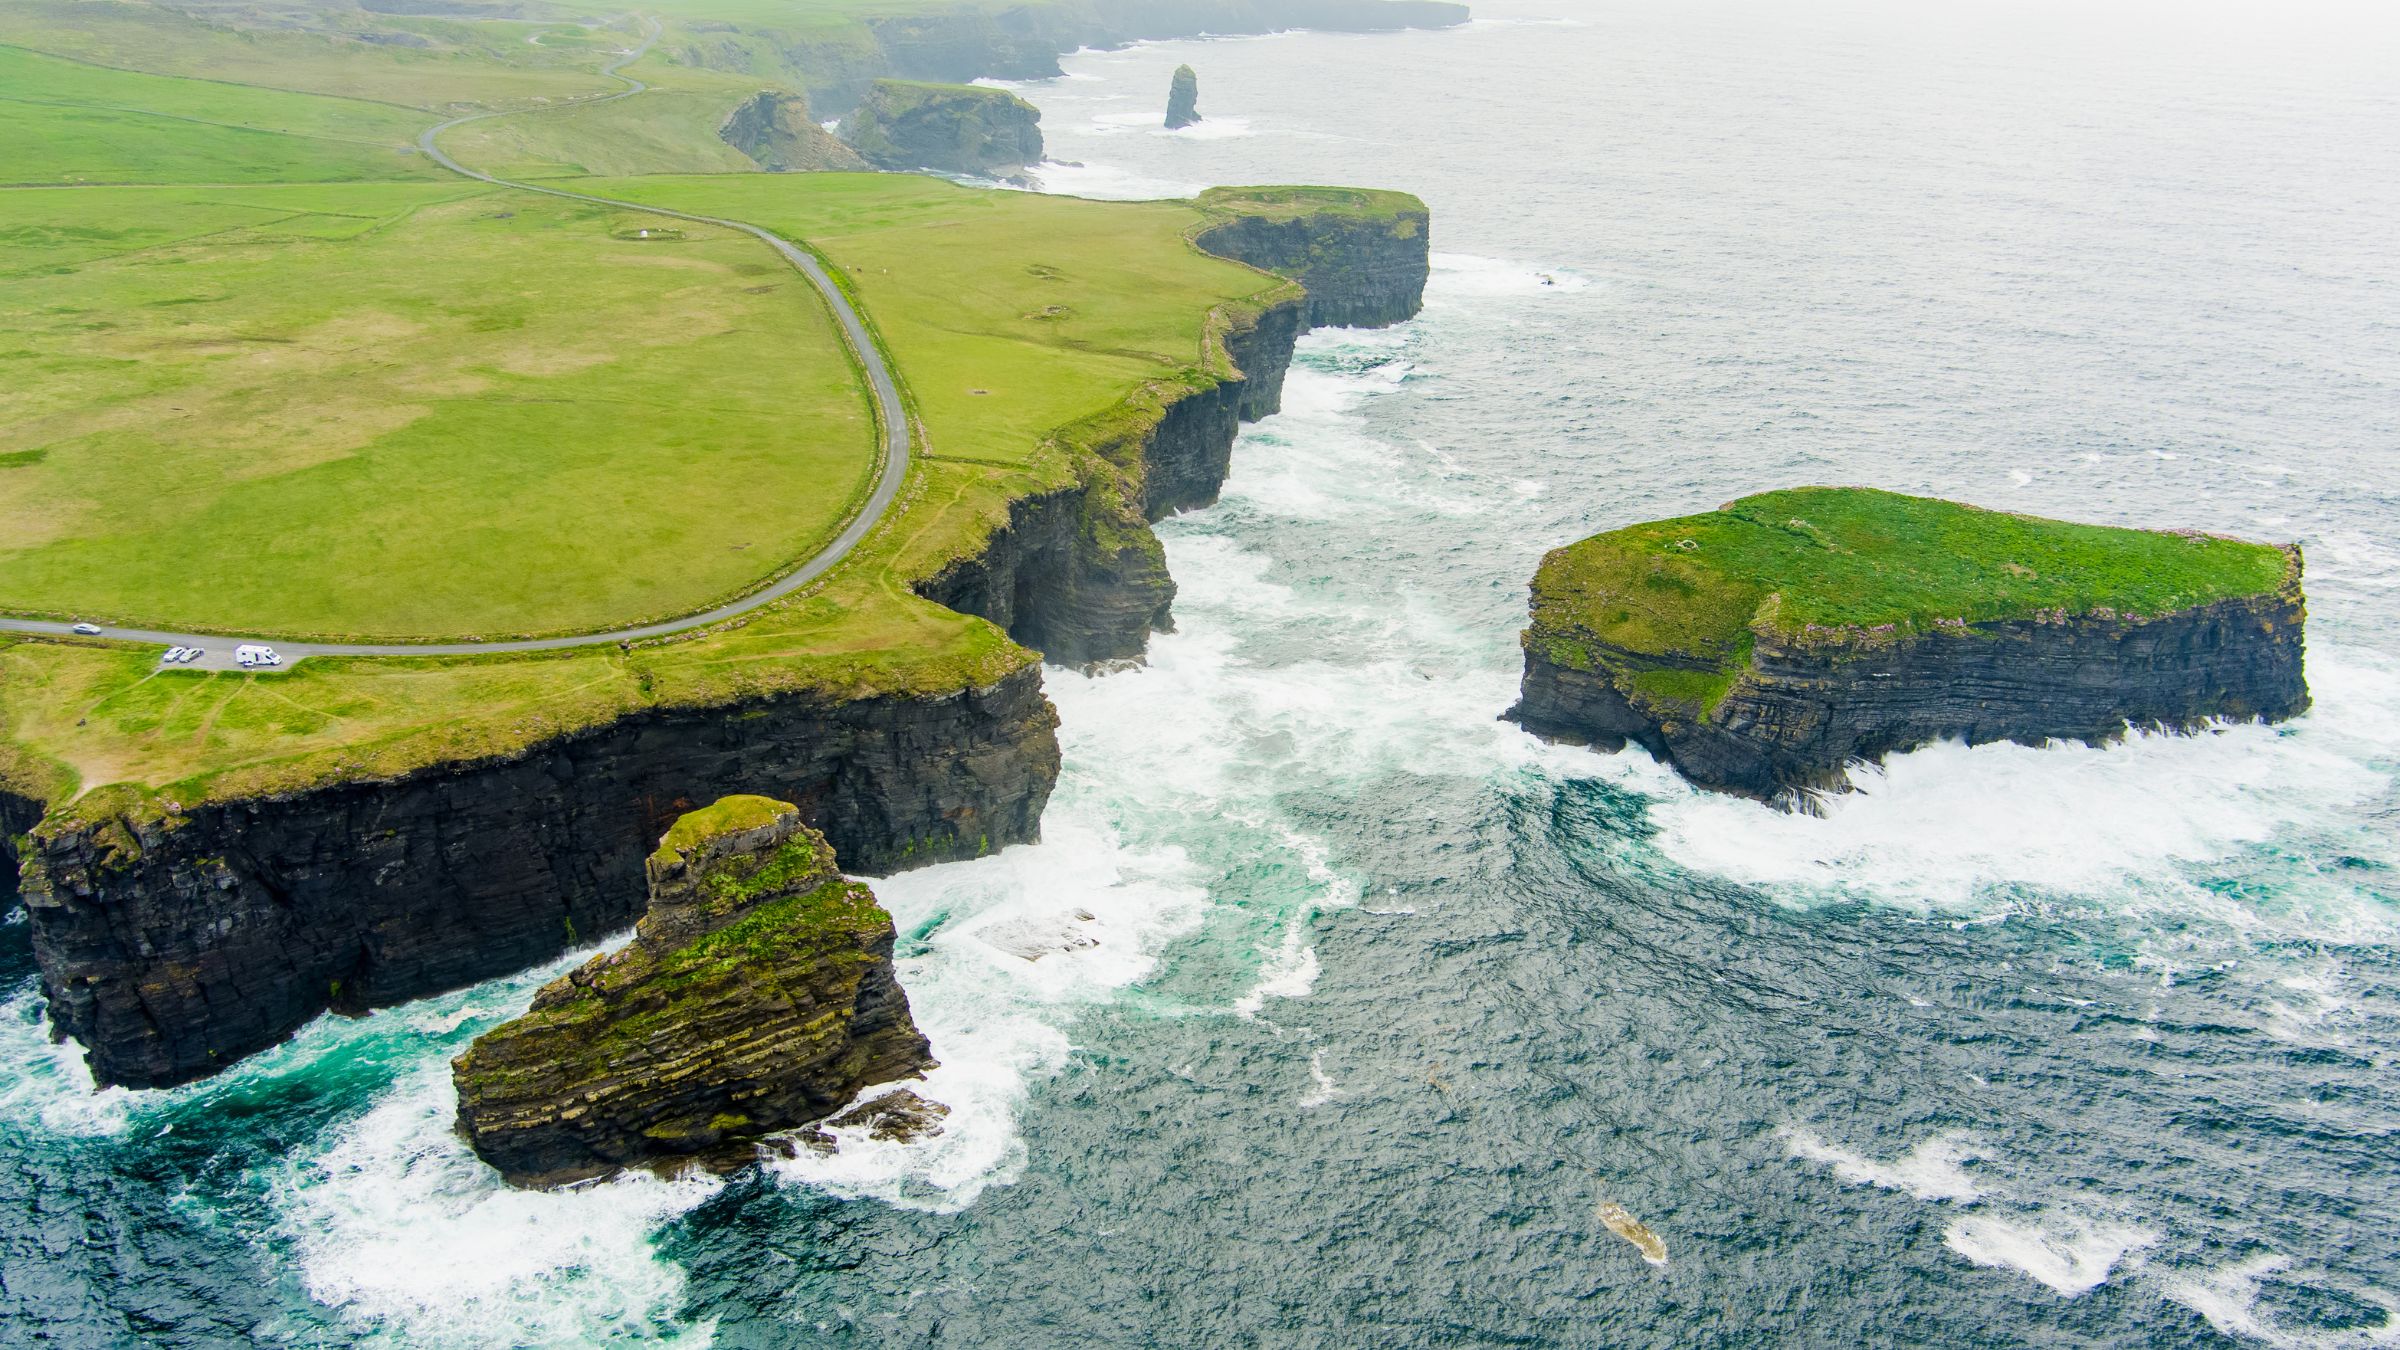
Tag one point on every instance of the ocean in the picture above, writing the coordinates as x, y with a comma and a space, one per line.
1393, 1009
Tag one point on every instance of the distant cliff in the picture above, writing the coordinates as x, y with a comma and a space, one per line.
757, 995
774, 129
1763, 648
948, 128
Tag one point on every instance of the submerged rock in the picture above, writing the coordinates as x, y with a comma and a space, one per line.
757, 995
1183, 99
948, 128
1763, 647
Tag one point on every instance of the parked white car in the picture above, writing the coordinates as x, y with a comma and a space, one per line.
191, 654
174, 655
88, 629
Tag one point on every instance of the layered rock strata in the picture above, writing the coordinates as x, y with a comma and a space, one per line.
1797, 706
948, 128
757, 995
1363, 267
173, 945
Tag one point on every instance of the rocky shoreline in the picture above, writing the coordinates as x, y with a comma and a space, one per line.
173, 946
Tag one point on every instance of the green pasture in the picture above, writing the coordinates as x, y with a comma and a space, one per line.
409, 413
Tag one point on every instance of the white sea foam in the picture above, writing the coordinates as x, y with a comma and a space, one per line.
46, 1085
1325, 1089
2065, 1251
1933, 1170
417, 1242
2228, 1297
1105, 183
1952, 828
393, 1222
1459, 276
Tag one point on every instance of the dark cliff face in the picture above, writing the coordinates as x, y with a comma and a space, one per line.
960, 129
1076, 574
1804, 710
171, 950
1361, 271
757, 995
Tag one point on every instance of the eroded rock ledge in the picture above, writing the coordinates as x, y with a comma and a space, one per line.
1764, 648
948, 128
756, 996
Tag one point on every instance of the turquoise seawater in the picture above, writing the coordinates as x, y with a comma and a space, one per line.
1381, 1002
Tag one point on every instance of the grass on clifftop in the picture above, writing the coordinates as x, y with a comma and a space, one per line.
1853, 561
1010, 317
405, 412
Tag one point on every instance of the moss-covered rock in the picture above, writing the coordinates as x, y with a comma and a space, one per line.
948, 128
1762, 647
756, 996
1183, 99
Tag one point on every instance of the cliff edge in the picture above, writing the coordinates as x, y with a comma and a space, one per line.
1763, 647
757, 995
948, 128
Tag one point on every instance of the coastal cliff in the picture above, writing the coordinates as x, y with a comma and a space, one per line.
175, 940
948, 128
1024, 42
1076, 573
173, 946
757, 995
774, 129
1764, 648
1363, 257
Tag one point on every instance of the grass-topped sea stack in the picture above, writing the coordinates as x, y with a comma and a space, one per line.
757, 995
1762, 647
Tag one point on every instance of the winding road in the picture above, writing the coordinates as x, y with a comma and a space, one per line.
890, 413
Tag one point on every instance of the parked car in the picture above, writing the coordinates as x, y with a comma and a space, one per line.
191, 654
174, 655
88, 629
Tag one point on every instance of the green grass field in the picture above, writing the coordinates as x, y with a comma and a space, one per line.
67, 122
409, 412
1855, 561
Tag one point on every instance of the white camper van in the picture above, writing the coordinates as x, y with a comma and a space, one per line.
251, 654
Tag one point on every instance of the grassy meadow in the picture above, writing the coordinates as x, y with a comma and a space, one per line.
408, 412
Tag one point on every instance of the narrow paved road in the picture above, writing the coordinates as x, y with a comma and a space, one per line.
893, 416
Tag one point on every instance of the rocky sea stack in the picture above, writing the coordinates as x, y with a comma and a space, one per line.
1183, 99
947, 128
1763, 647
757, 995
